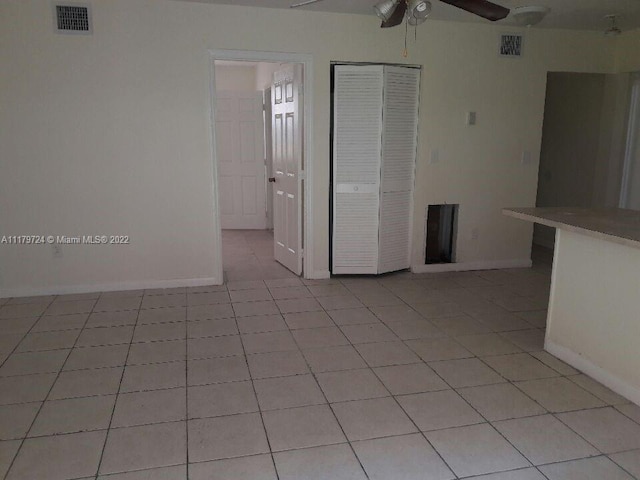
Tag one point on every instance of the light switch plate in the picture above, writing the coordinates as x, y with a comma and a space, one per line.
471, 118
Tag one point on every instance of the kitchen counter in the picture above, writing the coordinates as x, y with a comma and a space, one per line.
612, 224
593, 319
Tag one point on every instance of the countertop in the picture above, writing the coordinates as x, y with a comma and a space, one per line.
613, 224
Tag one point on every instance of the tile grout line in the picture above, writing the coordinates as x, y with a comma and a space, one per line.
186, 391
369, 367
23, 440
418, 430
117, 394
454, 390
255, 394
13, 351
335, 417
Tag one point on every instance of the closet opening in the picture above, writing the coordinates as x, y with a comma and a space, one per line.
441, 232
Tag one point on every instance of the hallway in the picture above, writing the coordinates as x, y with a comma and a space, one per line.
248, 255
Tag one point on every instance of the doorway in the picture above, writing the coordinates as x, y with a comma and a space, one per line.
582, 151
249, 224
630, 191
244, 144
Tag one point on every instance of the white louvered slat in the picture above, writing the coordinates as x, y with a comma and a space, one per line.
399, 129
399, 141
357, 124
394, 231
355, 239
374, 150
356, 169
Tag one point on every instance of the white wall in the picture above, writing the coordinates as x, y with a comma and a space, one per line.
236, 78
593, 310
110, 133
264, 74
628, 47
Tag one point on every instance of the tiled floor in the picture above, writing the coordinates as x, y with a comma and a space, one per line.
400, 377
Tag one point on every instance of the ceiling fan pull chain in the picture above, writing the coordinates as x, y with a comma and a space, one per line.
405, 54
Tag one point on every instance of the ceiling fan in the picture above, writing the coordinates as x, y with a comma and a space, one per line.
393, 12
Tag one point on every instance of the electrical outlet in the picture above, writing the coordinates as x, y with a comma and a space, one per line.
57, 251
475, 233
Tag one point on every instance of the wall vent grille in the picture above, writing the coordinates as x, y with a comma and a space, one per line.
73, 18
511, 45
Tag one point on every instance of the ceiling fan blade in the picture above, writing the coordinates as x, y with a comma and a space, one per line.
302, 4
397, 17
482, 8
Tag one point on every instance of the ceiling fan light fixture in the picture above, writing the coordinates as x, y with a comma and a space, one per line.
530, 15
418, 10
385, 9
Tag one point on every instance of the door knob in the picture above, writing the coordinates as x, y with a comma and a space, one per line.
272, 179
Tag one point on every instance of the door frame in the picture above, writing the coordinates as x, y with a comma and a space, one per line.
307, 174
268, 153
633, 137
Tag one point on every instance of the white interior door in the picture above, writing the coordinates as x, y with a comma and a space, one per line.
240, 144
286, 114
399, 144
374, 151
357, 145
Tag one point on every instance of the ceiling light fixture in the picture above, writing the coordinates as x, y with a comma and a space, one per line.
385, 9
530, 15
419, 10
613, 30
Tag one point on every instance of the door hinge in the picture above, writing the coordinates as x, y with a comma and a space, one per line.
302, 175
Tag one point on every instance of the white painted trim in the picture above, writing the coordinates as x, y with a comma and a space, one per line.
256, 56
630, 392
467, 266
319, 275
632, 139
109, 287
217, 227
552, 289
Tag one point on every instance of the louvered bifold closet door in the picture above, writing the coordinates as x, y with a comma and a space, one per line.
357, 141
399, 142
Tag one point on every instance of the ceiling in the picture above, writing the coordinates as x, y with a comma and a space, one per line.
569, 14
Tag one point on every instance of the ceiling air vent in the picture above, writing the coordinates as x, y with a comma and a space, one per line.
72, 18
511, 45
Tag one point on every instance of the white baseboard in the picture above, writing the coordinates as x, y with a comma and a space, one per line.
628, 391
467, 266
108, 287
318, 275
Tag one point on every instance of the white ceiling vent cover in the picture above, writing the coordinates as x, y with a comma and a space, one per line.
511, 45
73, 18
